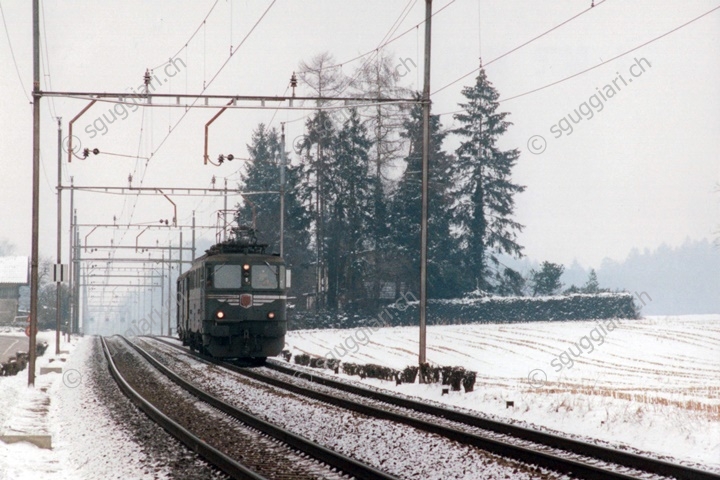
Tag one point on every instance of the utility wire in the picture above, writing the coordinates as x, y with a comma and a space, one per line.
613, 58
205, 87
376, 53
12, 52
601, 63
517, 48
340, 65
191, 36
47, 60
383, 42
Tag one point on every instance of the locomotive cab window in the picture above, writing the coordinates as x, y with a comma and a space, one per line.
264, 276
226, 276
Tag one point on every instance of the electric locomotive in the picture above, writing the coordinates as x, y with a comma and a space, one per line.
232, 301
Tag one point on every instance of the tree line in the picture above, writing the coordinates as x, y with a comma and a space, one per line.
352, 221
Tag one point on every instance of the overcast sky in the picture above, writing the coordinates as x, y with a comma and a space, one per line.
639, 169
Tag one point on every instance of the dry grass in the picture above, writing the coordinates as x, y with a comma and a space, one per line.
709, 406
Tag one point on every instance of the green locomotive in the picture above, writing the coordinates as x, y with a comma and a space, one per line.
232, 301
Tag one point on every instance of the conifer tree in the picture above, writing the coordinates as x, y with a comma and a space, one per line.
263, 175
546, 281
443, 261
485, 191
592, 285
349, 213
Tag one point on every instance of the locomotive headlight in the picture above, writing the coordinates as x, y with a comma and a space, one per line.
271, 315
220, 314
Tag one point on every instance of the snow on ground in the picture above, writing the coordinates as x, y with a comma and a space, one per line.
652, 384
86, 442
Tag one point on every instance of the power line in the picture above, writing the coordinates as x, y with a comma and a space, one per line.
12, 52
191, 36
613, 58
205, 87
182, 117
517, 48
340, 65
393, 28
601, 63
47, 60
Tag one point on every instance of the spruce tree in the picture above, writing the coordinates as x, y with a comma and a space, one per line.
592, 285
263, 175
316, 155
379, 78
349, 212
485, 204
443, 261
546, 281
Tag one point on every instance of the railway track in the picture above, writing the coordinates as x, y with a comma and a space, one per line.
568, 456
241, 445
625, 459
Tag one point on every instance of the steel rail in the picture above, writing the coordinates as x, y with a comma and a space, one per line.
579, 447
348, 465
209, 453
509, 450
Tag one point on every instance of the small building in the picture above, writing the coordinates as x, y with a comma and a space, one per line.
13, 275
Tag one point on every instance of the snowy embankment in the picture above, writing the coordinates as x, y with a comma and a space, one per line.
87, 442
652, 384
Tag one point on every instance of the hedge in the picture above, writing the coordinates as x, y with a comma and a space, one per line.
452, 376
483, 310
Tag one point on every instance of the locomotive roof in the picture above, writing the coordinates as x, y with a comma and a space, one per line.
242, 257
273, 258
242, 247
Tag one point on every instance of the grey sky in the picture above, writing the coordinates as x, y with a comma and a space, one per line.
640, 172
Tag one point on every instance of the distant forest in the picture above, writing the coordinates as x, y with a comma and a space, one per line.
679, 280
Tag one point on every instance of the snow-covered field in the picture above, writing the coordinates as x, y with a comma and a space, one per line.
652, 384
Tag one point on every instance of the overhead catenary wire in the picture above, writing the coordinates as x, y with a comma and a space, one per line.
188, 108
170, 129
613, 58
601, 63
12, 53
376, 53
363, 55
401, 17
206, 86
516, 48
191, 36
46, 65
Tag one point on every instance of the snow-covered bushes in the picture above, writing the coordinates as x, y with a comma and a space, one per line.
453, 376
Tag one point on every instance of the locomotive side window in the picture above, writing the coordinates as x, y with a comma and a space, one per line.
264, 276
227, 276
